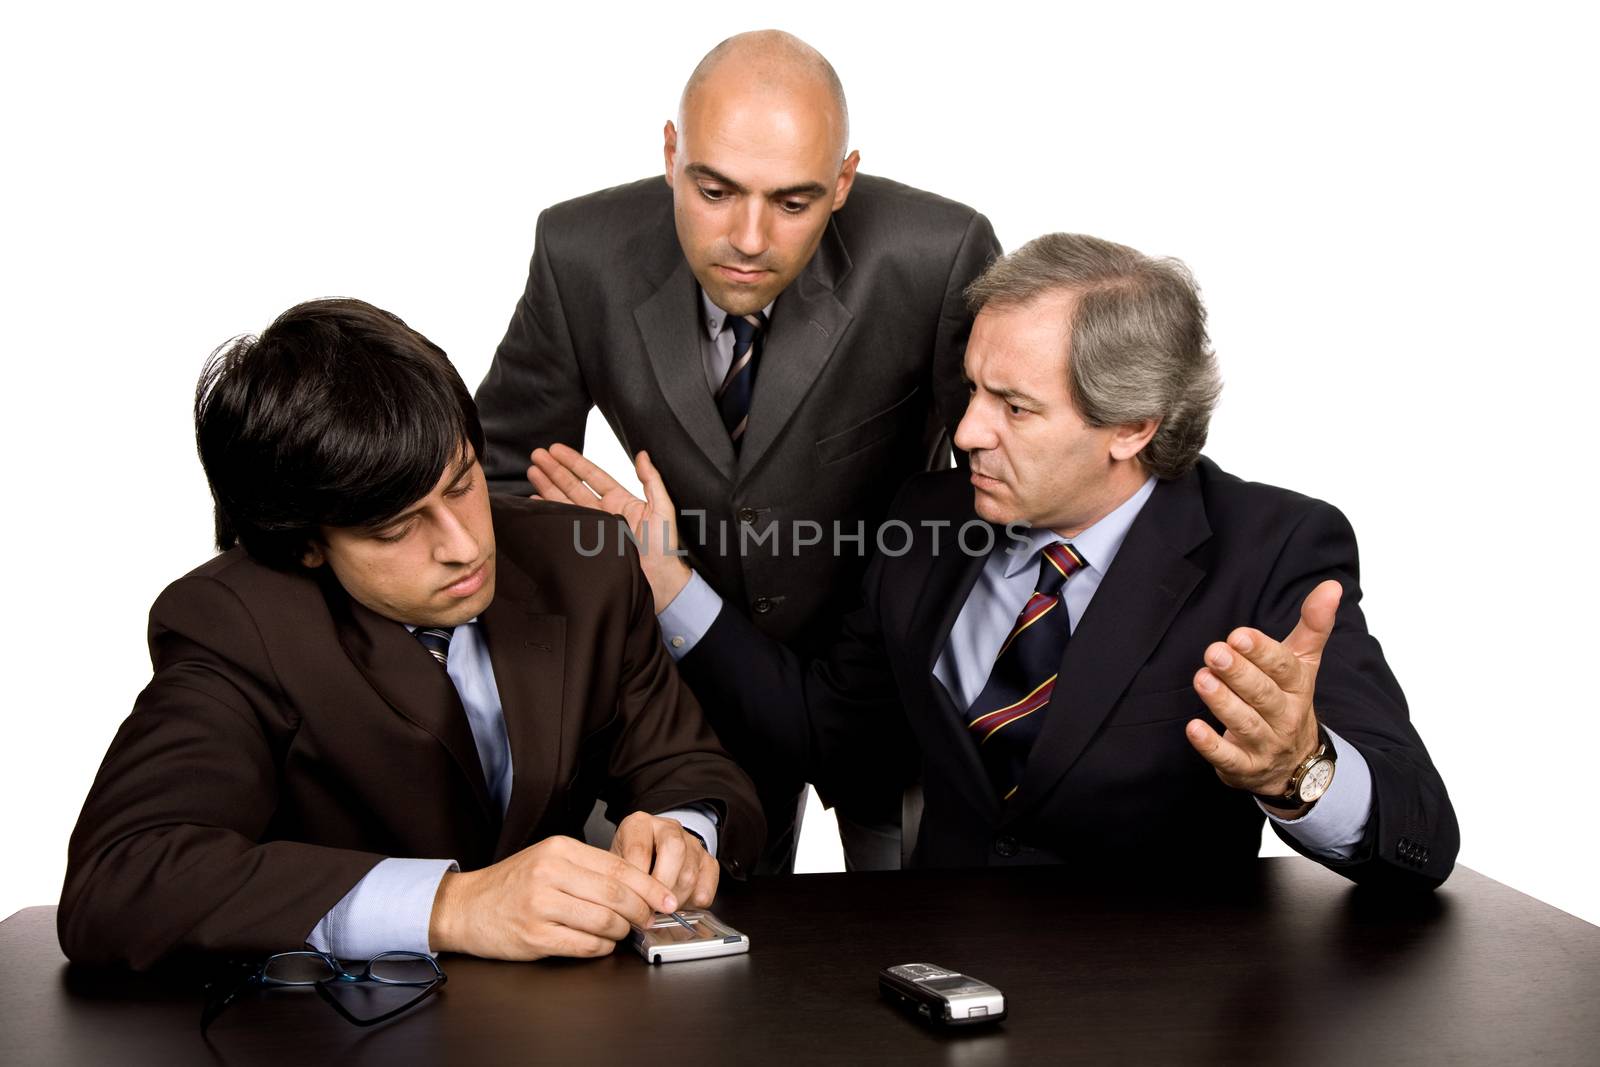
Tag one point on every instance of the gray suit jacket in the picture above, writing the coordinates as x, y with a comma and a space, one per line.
859, 385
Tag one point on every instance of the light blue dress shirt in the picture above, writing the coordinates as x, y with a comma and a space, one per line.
1332, 828
716, 351
389, 910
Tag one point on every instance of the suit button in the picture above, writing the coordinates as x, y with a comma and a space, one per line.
1006, 846
761, 605
747, 515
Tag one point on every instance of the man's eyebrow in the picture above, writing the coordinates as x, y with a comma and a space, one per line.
393, 520
811, 189
1012, 396
462, 469
700, 170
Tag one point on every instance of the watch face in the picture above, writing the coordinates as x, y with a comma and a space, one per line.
1316, 780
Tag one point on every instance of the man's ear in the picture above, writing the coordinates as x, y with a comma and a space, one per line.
1129, 439
669, 147
847, 179
313, 556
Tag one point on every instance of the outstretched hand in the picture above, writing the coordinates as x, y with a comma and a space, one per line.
1261, 690
565, 475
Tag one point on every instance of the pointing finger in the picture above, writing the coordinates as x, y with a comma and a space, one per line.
1311, 633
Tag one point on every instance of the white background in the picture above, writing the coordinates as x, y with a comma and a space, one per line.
1390, 209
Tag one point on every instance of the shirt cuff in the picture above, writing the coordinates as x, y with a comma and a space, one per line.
685, 621
1335, 824
387, 911
698, 819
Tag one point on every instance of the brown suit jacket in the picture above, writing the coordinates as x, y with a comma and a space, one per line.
291, 738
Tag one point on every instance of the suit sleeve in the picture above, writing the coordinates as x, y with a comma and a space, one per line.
534, 394
979, 247
665, 755
835, 721
171, 852
1411, 835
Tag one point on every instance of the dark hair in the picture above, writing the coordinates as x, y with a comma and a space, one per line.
339, 414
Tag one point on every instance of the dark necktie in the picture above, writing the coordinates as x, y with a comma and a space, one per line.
1008, 715
738, 385
436, 639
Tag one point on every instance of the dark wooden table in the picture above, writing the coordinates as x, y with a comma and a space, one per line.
1282, 963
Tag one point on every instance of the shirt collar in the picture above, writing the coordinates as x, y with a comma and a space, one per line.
713, 317
1098, 544
412, 628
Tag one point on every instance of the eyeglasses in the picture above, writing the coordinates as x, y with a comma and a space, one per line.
389, 983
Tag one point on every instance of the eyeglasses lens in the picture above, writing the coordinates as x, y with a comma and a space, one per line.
403, 968
297, 968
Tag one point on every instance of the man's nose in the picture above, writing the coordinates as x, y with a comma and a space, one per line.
973, 433
456, 543
749, 236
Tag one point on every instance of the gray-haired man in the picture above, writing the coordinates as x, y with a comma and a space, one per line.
1165, 655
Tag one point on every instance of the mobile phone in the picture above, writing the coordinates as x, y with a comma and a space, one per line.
940, 996
686, 935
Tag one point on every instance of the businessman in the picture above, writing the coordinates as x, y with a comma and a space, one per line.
379, 718
1103, 649
783, 334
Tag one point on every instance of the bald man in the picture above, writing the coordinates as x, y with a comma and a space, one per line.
783, 335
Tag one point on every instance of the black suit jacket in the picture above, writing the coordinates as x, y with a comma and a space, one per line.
291, 738
1112, 779
859, 384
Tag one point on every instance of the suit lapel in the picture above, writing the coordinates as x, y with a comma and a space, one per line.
670, 325
409, 681
941, 600
1147, 584
527, 648
807, 321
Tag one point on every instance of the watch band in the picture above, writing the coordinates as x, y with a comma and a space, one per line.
1289, 799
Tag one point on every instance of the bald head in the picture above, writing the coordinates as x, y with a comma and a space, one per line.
758, 162
773, 68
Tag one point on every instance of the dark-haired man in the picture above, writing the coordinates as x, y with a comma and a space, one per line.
781, 333
380, 717
1104, 650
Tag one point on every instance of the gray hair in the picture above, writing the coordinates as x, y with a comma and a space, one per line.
1138, 347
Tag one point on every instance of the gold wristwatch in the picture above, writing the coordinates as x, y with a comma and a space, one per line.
1310, 779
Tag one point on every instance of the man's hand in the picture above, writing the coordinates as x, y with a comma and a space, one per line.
560, 897
1261, 691
675, 857
564, 475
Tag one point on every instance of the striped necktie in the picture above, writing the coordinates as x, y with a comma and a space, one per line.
436, 639
738, 385
1007, 716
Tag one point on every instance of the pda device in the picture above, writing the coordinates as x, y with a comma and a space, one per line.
686, 935
941, 997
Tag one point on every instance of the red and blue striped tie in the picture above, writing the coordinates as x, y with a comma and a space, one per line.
1008, 715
